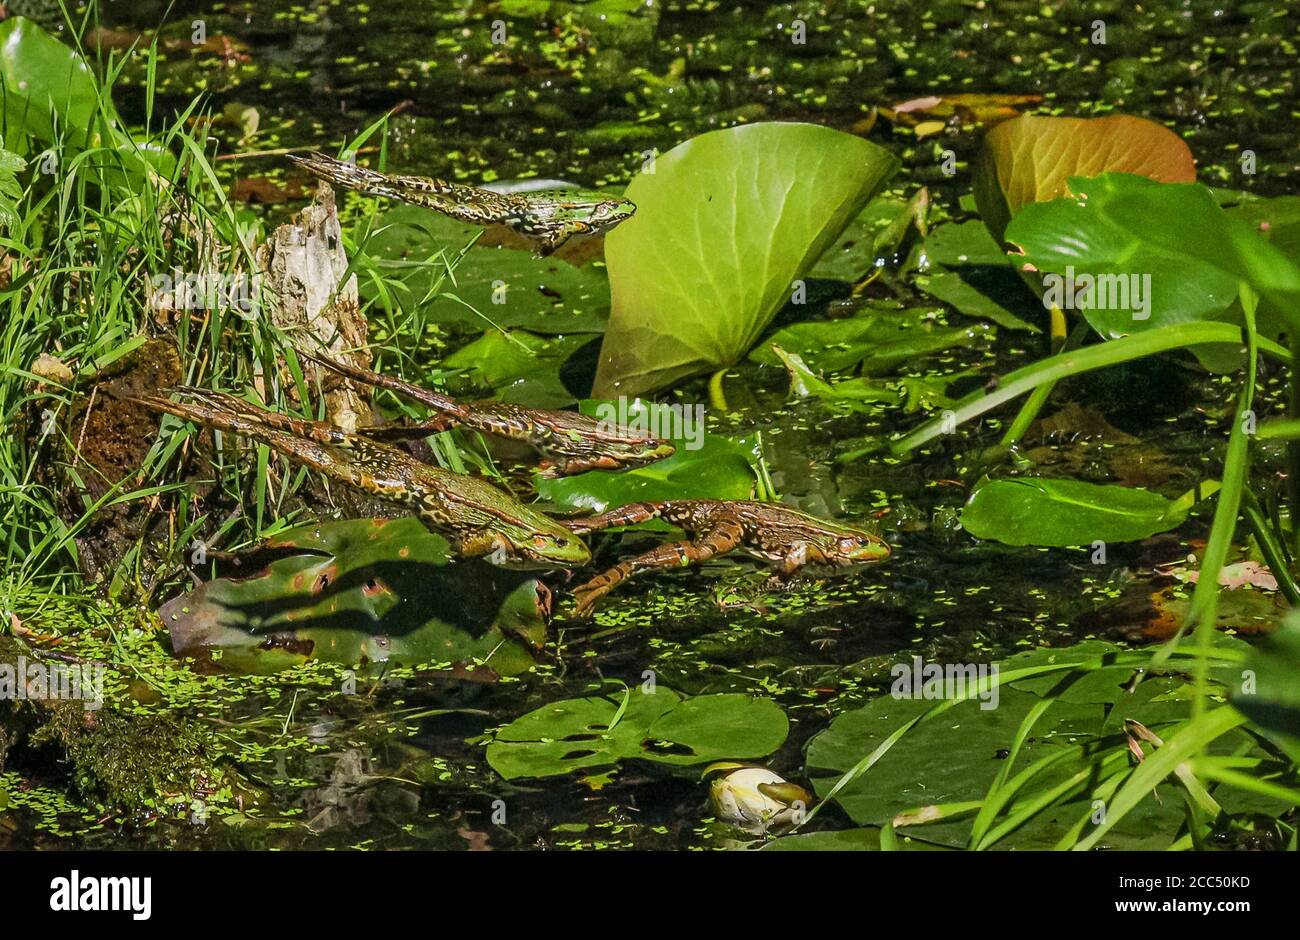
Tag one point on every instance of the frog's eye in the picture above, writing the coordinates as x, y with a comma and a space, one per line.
540, 541
850, 544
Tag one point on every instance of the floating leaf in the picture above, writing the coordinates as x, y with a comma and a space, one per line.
361, 590
519, 367
705, 466
951, 759
1031, 158
498, 285
924, 769
1037, 511
724, 225
599, 732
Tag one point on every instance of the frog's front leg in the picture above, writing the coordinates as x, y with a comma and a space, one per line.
718, 540
793, 559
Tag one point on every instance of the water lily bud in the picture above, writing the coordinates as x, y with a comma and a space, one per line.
755, 798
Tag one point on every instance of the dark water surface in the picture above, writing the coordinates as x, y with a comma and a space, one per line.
560, 100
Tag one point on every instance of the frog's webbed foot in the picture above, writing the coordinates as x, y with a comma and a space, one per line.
716, 541
780, 582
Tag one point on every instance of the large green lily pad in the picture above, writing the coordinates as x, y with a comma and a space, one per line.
725, 224
497, 286
362, 591
719, 468
518, 366
953, 757
582, 735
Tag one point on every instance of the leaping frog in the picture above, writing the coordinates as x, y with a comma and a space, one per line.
787, 539
572, 442
549, 217
476, 517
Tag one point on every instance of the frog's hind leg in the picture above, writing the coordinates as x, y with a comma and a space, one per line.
630, 514
319, 431
449, 408
246, 420
408, 432
718, 540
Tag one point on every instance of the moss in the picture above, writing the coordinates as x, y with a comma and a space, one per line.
130, 760
137, 762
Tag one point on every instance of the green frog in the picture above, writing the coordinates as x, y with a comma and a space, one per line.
572, 442
787, 539
550, 218
476, 517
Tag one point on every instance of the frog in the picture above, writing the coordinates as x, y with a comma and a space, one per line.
548, 218
789, 540
476, 517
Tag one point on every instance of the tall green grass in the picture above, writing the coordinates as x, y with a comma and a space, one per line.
91, 240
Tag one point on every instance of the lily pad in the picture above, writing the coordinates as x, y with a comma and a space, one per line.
357, 591
950, 759
1031, 158
501, 286
50, 92
582, 735
519, 367
711, 466
1038, 511
725, 224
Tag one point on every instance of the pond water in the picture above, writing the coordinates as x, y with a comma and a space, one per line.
559, 100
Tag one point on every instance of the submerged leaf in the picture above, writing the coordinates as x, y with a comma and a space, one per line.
1037, 511
357, 591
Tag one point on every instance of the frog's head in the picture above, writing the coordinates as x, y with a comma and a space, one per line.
633, 452
611, 455
604, 214
846, 547
544, 544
